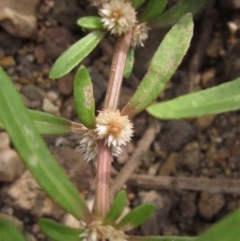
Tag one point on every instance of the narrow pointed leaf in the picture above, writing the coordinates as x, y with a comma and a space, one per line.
215, 100
153, 9
1, 125
159, 238
75, 54
9, 232
48, 124
58, 232
136, 217
129, 63
34, 152
163, 65
137, 3
171, 16
116, 208
83, 98
225, 230
90, 22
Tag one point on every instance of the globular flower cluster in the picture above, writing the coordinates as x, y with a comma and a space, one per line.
140, 34
97, 231
119, 17
114, 129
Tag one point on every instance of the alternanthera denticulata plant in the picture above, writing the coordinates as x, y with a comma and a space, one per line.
103, 136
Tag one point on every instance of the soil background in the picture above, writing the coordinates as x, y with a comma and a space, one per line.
197, 161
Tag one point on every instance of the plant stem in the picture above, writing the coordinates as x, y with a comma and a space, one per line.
102, 180
102, 196
116, 73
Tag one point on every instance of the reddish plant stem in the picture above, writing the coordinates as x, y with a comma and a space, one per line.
116, 73
102, 197
102, 180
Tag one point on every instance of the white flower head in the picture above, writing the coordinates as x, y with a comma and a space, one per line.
97, 231
114, 128
118, 16
88, 146
140, 34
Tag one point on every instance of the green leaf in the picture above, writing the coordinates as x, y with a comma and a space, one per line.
1, 125
116, 208
172, 15
90, 22
75, 54
136, 217
9, 232
34, 152
153, 9
163, 65
83, 98
129, 63
227, 229
137, 3
159, 238
215, 100
48, 124
58, 232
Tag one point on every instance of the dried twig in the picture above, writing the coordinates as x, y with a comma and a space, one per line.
134, 161
211, 185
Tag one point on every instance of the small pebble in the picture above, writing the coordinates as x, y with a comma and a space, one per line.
7, 61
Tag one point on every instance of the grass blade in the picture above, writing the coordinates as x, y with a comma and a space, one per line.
225, 230
90, 22
75, 54
163, 65
116, 208
171, 16
34, 152
153, 9
215, 100
137, 3
48, 124
83, 97
129, 63
136, 217
58, 232
9, 232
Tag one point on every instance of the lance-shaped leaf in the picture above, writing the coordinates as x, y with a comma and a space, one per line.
171, 16
116, 208
159, 238
9, 232
48, 124
215, 100
153, 9
58, 232
136, 217
90, 22
163, 65
34, 152
137, 3
225, 230
129, 63
75, 54
83, 98
1, 124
